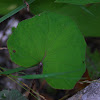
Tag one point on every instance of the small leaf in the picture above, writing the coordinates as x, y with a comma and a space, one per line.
55, 41
11, 95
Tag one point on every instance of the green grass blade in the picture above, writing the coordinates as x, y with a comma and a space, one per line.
14, 11
10, 71
40, 76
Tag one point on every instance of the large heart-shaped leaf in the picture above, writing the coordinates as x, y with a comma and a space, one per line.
54, 40
78, 2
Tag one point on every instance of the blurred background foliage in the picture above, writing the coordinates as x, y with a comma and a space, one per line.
86, 16
8, 5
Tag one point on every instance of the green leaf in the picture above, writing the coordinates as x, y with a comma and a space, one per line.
54, 40
87, 23
93, 63
11, 95
86, 17
14, 11
78, 2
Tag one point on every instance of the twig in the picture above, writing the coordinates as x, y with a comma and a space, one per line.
89, 81
4, 48
27, 5
34, 91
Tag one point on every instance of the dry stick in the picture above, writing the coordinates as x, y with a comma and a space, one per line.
27, 5
32, 87
89, 81
33, 91
29, 88
10, 77
20, 86
4, 48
